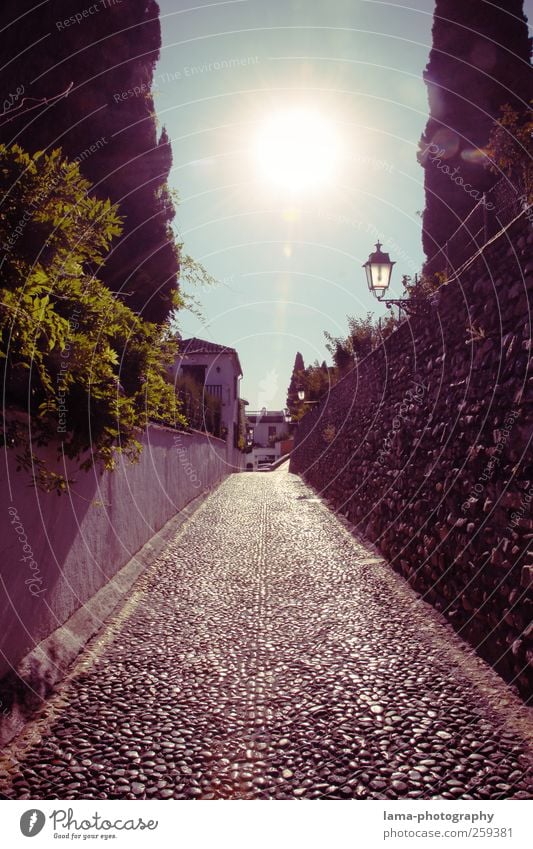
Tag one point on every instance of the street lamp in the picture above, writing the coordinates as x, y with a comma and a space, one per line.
378, 268
301, 396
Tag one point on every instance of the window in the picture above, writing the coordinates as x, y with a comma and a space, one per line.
196, 373
272, 430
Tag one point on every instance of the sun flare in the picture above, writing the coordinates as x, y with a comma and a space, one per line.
297, 150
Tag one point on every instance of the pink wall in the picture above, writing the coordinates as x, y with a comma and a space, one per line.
57, 552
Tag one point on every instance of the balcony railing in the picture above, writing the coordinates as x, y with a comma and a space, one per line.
214, 389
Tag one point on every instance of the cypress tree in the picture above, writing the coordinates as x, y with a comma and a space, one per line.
479, 61
83, 83
296, 379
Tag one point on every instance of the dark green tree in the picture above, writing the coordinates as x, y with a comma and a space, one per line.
85, 86
293, 404
315, 380
87, 372
318, 381
479, 61
364, 334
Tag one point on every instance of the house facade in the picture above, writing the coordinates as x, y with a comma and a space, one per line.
216, 369
269, 433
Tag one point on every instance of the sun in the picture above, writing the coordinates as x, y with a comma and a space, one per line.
297, 150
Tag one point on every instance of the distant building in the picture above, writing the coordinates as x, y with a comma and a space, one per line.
269, 432
217, 369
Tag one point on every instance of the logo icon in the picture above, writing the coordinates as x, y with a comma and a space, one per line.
32, 822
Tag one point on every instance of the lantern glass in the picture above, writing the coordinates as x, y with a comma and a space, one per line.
381, 273
301, 395
378, 270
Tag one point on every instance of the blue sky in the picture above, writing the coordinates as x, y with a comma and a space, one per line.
290, 264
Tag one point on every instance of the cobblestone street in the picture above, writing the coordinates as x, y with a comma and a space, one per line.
268, 654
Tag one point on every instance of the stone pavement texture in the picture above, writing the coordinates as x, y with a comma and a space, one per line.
268, 654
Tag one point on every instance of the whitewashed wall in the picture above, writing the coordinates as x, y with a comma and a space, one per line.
59, 554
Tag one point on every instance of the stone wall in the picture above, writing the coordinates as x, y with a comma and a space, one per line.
426, 449
67, 561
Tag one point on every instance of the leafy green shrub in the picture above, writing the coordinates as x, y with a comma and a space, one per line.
364, 335
510, 150
85, 368
279, 437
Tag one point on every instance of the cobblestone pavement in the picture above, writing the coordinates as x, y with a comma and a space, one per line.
270, 655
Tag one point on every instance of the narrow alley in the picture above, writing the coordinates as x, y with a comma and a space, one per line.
268, 654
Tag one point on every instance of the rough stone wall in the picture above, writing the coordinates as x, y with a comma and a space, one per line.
426, 449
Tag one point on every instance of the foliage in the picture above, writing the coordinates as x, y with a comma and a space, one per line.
296, 382
315, 381
318, 380
279, 437
192, 275
423, 286
478, 62
364, 335
510, 150
240, 432
329, 433
386, 326
74, 357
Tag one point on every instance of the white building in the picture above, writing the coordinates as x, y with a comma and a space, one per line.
265, 431
217, 369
